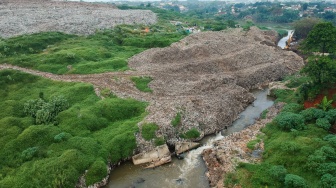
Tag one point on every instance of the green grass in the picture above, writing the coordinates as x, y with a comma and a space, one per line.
192, 133
177, 120
148, 131
104, 51
141, 83
89, 133
264, 114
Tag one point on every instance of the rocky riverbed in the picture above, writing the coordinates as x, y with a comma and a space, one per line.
226, 153
20, 17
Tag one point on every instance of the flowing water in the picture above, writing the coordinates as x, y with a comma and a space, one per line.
282, 42
189, 172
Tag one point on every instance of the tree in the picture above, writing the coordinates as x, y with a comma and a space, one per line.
321, 70
325, 104
304, 26
304, 6
321, 38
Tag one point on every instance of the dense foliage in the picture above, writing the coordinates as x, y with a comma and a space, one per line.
90, 132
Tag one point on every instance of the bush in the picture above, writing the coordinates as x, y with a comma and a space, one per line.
292, 107
45, 112
312, 114
96, 172
326, 168
278, 172
192, 133
148, 131
29, 153
328, 180
323, 123
62, 137
331, 116
294, 181
177, 120
288, 121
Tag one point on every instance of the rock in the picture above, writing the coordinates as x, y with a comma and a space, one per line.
181, 147
160, 155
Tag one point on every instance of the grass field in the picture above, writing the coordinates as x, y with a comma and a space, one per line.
85, 136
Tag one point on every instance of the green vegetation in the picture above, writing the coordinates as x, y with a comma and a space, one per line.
89, 132
141, 83
192, 133
159, 141
177, 120
148, 131
104, 51
299, 149
264, 114
321, 38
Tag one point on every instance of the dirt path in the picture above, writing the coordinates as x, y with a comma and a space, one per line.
118, 82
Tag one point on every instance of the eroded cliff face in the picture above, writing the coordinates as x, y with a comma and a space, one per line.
207, 76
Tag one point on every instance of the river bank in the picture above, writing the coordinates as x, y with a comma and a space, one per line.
232, 149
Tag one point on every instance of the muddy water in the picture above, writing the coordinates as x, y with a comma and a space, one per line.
282, 42
189, 172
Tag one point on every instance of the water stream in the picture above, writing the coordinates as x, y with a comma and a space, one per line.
282, 42
189, 172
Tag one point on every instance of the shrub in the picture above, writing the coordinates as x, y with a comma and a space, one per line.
326, 168
278, 172
323, 123
96, 172
192, 133
29, 153
292, 107
328, 180
294, 181
331, 116
45, 112
177, 120
62, 137
288, 121
311, 114
148, 131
